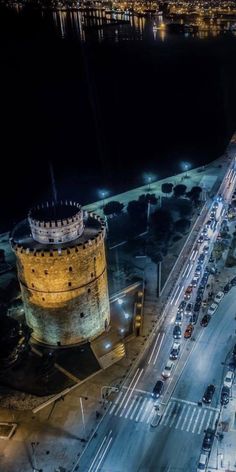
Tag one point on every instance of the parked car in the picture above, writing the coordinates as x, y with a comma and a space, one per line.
182, 305
158, 388
197, 306
219, 297
177, 332
188, 331
167, 369
193, 318
212, 309
194, 282
208, 439
202, 464
179, 317
175, 351
205, 320
208, 224
229, 379
200, 239
198, 269
189, 309
211, 258
227, 287
208, 394
188, 292
206, 250
225, 394
201, 258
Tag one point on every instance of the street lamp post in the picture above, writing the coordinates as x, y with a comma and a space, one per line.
108, 387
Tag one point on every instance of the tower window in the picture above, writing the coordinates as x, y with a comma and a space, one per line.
81, 315
91, 274
51, 240
43, 299
32, 285
46, 272
32, 270
89, 290
94, 259
70, 269
69, 284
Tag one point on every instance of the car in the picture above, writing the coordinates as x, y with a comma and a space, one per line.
219, 297
188, 292
188, 331
211, 258
198, 270
179, 317
208, 223
208, 439
224, 396
200, 239
227, 287
182, 306
201, 258
205, 320
193, 318
188, 309
208, 394
206, 250
229, 379
175, 351
199, 298
177, 332
203, 284
212, 309
202, 464
197, 307
194, 282
167, 369
213, 270
212, 215
206, 237
205, 231
158, 388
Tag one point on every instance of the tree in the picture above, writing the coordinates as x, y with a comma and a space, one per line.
179, 190
182, 225
148, 197
161, 223
194, 194
184, 207
137, 208
113, 208
167, 188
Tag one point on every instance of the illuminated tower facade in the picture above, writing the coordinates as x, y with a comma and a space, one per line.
61, 265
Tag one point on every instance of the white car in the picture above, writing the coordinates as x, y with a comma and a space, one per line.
167, 370
195, 281
211, 310
229, 378
202, 464
219, 297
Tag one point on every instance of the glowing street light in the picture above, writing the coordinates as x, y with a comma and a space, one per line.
120, 301
103, 194
186, 166
126, 315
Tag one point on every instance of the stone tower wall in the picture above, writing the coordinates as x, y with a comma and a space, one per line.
65, 291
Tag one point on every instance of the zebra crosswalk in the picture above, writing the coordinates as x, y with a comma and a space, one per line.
178, 414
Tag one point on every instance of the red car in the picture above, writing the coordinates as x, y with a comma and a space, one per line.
188, 331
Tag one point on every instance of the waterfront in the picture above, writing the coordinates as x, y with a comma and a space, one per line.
94, 107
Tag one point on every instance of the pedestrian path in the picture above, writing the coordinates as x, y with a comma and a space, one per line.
179, 414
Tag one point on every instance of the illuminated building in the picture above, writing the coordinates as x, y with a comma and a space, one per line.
61, 265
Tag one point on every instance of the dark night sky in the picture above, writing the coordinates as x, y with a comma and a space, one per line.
105, 113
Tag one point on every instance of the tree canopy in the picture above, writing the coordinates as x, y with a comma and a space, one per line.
113, 208
179, 190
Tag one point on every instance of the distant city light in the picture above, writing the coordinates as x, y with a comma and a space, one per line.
126, 315
122, 330
120, 301
107, 345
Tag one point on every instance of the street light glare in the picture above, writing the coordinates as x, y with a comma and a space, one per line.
126, 316
120, 301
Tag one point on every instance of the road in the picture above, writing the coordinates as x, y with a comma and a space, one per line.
126, 440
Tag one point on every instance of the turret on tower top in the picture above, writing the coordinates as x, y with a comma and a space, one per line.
58, 223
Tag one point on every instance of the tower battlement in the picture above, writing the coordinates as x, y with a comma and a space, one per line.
52, 223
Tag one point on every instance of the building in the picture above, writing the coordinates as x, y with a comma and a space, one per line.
61, 265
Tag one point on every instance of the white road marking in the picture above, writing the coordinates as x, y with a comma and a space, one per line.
150, 358
184, 401
98, 452
130, 407
190, 268
129, 392
103, 455
152, 412
186, 268
169, 414
200, 427
196, 420
186, 417
209, 419
141, 410
191, 419
176, 290
215, 419
115, 403
135, 407
159, 347
180, 293
174, 415
165, 412
180, 417
147, 410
